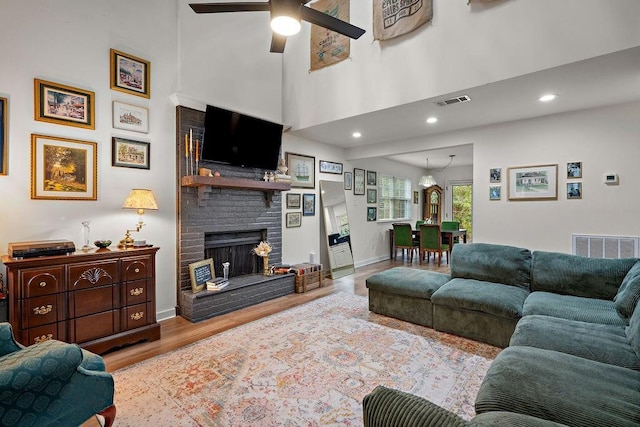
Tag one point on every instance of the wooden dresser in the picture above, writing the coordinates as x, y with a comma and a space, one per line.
100, 299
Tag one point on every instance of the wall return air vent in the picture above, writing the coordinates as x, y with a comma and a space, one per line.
454, 100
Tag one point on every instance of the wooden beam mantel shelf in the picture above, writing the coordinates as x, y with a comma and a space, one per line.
205, 183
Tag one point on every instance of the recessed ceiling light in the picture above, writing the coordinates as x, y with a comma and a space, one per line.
547, 98
432, 120
356, 134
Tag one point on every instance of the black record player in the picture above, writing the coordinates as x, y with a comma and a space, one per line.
40, 248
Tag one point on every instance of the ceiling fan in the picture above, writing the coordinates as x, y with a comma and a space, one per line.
285, 18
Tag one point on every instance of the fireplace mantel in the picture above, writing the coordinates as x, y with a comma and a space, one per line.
205, 183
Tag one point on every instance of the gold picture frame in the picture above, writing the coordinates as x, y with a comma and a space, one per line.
130, 74
200, 273
3, 135
63, 168
63, 105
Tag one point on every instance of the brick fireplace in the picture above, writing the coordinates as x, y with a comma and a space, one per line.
221, 222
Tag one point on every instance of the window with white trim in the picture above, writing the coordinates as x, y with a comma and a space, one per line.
394, 198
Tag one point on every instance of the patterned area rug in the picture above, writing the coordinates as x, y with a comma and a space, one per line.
307, 366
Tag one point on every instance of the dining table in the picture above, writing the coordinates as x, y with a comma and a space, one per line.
447, 235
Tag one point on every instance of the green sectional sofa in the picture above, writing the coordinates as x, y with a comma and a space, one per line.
570, 323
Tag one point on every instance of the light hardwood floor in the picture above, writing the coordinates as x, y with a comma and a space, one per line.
178, 332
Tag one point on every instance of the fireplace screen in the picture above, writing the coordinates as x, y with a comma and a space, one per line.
235, 248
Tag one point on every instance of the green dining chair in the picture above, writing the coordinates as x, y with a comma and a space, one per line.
403, 239
418, 222
431, 241
452, 225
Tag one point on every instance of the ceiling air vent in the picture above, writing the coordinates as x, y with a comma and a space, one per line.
455, 100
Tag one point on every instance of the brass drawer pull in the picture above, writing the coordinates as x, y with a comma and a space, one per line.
137, 316
43, 310
43, 338
137, 291
42, 284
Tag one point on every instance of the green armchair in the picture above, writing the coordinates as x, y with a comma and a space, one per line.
52, 383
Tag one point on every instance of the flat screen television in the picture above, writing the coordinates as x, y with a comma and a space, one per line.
240, 140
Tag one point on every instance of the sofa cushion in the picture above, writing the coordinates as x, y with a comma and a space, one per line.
486, 262
602, 343
589, 310
629, 292
579, 276
510, 419
633, 332
561, 388
487, 297
409, 282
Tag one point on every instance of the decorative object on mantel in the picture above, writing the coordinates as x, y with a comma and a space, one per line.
263, 250
391, 20
139, 199
205, 172
193, 152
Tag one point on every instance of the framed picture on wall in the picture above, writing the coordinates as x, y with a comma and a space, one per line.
308, 204
574, 170
416, 195
372, 195
372, 213
574, 190
372, 178
130, 74
358, 182
330, 167
302, 170
293, 219
64, 105
63, 168
494, 192
130, 117
293, 201
495, 175
533, 182
348, 180
130, 154
3, 136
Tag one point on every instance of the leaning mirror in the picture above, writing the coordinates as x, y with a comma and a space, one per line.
336, 225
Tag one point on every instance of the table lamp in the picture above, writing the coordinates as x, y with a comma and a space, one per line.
139, 199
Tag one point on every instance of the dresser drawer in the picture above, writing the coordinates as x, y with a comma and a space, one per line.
53, 331
136, 268
93, 300
92, 274
135, 292
39, 281
42, 310
87, 328
135, 316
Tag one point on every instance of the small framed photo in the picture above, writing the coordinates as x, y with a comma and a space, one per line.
130, 154
574, 170
330, 167
63, 168
294, 219
574, 190
372, 213
130, 117
130, 74
495, 192
372, 195
302, 170
348, 180
495, 175
293, 201
201, 272
358, 181
416, 195
308, 204
372, 178
64, 105
3, 135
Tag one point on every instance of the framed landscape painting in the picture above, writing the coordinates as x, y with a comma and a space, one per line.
63, 168
130, 74
130, 154
308, 204
130, 117
293, 200
64, 105
533, 182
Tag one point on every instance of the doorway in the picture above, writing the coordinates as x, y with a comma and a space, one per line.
460, 204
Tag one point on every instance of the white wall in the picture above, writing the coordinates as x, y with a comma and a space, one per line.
68, 42
465, 46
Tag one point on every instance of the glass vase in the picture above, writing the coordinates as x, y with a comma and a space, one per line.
85, 235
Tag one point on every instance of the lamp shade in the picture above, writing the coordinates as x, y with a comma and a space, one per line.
140, 199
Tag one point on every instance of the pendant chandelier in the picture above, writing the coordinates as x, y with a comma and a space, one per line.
427, 179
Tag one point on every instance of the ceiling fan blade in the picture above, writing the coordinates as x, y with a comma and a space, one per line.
329, 22
277, 42
230, 7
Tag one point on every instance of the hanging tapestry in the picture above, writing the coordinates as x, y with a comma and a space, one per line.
329, 47
393, 18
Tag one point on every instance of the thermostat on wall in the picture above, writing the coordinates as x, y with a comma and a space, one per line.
611, 178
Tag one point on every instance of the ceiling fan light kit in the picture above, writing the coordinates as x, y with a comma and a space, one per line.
285, 18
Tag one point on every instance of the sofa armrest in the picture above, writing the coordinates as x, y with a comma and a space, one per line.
33, 366
8, 344
386, 407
